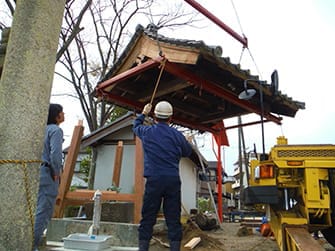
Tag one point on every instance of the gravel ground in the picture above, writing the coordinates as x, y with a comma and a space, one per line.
226, 238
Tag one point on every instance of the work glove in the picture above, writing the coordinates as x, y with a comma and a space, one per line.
189, 138
147, 109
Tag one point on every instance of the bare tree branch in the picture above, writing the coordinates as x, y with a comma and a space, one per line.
96, 48
75, 31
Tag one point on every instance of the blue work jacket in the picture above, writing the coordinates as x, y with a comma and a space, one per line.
163, 147
52, 155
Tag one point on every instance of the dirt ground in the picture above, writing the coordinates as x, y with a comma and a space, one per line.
225, 238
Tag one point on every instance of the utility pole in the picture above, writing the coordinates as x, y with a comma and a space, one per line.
242, 161
25, 89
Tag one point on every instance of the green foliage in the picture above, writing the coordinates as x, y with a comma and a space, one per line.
114, 188
85, 164
117, 113
205, 205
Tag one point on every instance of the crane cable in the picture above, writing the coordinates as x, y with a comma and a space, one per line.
250, 54
241, 142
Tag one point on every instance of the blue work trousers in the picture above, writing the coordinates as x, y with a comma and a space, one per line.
48, 190
159, 190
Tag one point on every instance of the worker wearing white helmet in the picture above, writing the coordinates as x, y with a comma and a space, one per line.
163, 147
163, 110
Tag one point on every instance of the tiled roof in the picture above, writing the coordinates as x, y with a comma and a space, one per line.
202, 85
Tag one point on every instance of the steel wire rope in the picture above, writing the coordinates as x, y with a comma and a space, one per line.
249, 51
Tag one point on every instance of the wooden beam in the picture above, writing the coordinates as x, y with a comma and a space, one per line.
298, 238
139, 180
183, 55
117, 164
215, 89
107, 85
69, 165
164, 88
87, 195
192, 243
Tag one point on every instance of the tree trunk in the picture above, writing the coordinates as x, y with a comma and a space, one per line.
25, 88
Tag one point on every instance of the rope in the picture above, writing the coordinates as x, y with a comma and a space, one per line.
240, 25
239, 61
237, 17
162, 65
160, 52
253, 60
26, 187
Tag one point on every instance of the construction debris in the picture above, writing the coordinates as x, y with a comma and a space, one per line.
192, 243
164, 244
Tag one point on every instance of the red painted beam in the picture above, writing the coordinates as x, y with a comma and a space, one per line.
129, 73
246, 124
218, 22
216, 90
138, 106
183, 74
122, 101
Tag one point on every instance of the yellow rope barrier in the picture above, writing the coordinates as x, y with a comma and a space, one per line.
15, 161
26, 186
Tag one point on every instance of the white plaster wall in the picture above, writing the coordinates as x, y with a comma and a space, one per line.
189, 184
105, 168
105, 165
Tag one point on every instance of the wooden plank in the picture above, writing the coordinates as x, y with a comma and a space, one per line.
139, 180
117, 164
184, 55
82, 194
164, 244
68, 169
192, 243
301, 239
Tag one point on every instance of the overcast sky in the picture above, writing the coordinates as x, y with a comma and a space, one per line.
297, 39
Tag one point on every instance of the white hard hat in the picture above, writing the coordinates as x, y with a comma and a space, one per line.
163, 110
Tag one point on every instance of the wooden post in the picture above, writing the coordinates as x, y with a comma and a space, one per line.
139, 181
117, 164
69, 166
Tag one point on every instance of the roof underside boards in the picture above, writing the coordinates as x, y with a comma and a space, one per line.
202, 86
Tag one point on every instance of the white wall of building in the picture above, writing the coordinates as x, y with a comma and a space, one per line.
105, 168
105, 165
188, 177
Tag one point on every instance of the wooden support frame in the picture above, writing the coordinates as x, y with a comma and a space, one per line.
81, 196
117, 164
68, 169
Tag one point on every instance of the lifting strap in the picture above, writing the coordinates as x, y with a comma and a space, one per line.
162, 65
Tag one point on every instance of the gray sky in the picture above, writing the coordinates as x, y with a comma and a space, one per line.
295, 37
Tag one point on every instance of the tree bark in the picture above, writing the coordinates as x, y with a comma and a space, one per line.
25, 89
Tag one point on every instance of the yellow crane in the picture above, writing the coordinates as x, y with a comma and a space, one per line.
297, 185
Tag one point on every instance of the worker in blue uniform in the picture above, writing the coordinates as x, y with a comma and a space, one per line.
50, 171
163, 147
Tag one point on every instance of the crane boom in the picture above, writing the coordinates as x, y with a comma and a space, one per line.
243, 40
